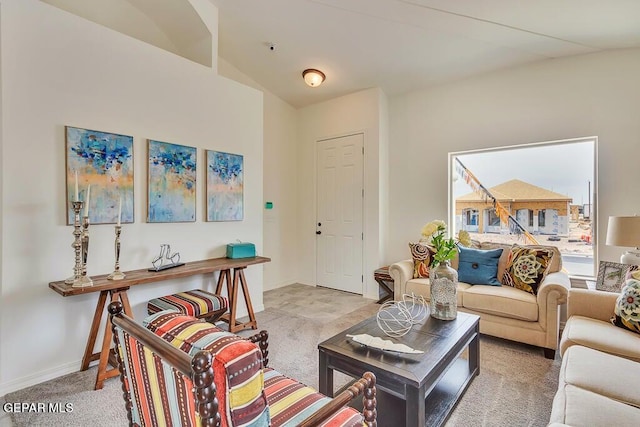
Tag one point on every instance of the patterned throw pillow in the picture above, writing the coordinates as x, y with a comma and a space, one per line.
527, 268
421, 255
627, 309
633, 273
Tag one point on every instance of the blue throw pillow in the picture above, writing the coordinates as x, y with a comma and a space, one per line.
479, 267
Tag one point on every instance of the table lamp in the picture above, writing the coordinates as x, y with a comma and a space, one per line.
625, 231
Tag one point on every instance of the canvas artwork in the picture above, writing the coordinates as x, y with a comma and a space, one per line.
611, 276
105, 162
172, 182
225, 186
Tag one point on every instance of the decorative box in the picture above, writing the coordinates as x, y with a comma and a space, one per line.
241, 250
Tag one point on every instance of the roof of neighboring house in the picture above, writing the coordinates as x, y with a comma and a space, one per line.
516, 190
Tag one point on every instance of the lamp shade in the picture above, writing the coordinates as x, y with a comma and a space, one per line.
624, 231
313, 77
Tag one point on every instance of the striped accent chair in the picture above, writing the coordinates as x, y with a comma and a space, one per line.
196, 303
247, 392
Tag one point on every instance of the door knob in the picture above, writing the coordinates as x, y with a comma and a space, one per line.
318, 232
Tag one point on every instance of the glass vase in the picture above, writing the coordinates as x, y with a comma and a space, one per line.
444, 291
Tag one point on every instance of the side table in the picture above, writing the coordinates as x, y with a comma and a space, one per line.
385, 281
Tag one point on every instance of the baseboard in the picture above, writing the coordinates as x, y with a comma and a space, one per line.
39, 377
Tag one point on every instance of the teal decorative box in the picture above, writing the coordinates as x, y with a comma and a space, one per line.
241, 250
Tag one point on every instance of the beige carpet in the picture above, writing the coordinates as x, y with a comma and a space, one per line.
515, 387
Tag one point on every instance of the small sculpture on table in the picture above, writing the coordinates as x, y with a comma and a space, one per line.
166, 259
396, 318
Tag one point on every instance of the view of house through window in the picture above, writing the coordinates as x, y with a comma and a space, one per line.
545, 189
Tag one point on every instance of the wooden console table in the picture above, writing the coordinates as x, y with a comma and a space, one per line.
116, 290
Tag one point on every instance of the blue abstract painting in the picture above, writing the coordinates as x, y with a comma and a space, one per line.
172, 182
103, 161
225, 186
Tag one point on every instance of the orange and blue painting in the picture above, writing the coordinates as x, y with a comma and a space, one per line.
103, 161
225, 186
172, 182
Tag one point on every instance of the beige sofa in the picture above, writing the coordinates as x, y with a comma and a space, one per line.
598, 384
504, 311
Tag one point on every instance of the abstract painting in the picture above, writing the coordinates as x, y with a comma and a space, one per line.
105, 162
172, 182
225, 182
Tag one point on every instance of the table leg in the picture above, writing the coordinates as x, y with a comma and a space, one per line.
247, 299
89, 355
387, 289
415, 407
239, 281
103, 373
474, 352
325, 375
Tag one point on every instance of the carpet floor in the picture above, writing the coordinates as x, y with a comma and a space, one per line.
515, 387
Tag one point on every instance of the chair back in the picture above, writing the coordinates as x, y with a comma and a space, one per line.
162, 385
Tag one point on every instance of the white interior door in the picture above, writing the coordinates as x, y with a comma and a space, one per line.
339, 225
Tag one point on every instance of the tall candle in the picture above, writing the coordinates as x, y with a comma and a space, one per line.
120, 211
77, 199
86, 202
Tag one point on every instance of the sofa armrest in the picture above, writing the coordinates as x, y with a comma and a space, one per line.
591, 303
552, 293
557, 286
401, 272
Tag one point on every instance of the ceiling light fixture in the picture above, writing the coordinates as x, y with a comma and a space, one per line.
313, 77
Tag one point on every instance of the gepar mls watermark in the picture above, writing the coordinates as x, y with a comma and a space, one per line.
38, 407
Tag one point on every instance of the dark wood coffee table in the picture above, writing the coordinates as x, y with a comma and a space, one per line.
413, 389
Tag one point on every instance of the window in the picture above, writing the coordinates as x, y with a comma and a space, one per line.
471, 217
544, 190
494, 219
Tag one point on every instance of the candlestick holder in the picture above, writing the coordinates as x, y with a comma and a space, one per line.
79, 278
117, 274
85, 244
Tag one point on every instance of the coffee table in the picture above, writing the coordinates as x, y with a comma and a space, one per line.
413, 389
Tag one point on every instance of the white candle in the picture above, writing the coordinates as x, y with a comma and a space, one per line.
86, 203
77, 199
120, 211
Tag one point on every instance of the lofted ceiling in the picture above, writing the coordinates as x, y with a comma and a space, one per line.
397, 45
405, 45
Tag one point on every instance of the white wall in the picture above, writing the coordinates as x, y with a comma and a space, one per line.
588, 95
280, 185
57, 70
358, 112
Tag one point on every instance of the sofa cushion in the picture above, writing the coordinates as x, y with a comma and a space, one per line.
478, 267
613, 371
423, 287
421, 255
503, 301
600, 335
527, 268
627, 309
291, 402
575, 406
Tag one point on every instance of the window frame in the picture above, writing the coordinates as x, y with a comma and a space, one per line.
594, 189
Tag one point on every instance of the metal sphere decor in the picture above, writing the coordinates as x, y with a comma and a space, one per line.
395, 318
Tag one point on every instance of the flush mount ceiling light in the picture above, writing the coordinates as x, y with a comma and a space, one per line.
313, 77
